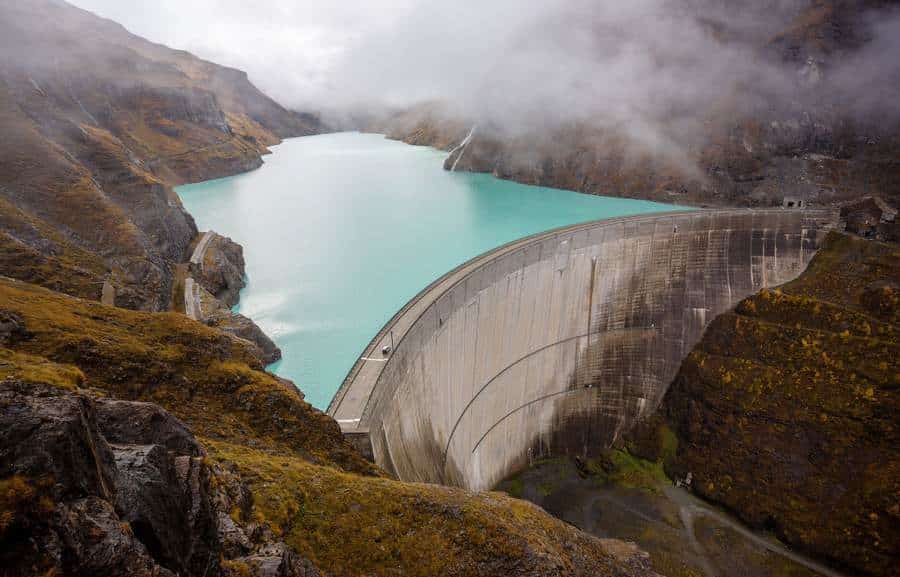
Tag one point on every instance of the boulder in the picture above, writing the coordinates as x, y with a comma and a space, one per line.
48, 431
106, 488
136, 423
12, 329
164, 499
96, 542
221, 270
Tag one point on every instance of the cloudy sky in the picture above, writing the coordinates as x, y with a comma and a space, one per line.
289, 48
639, 63
407, 50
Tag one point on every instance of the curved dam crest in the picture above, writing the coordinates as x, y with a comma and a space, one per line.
558, 343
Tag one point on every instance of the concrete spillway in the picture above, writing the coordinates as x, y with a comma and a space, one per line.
559, 342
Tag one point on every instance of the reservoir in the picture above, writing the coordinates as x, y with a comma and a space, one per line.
341, 230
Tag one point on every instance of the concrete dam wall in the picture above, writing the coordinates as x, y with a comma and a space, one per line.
559, 342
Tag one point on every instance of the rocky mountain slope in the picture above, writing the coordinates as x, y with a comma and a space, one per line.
820, 145
786, 412
148, 444
98, 124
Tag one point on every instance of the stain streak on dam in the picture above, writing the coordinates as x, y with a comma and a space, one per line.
557, 343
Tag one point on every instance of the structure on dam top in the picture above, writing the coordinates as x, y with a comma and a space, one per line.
557, 343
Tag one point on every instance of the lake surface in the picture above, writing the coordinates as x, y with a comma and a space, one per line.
341, 230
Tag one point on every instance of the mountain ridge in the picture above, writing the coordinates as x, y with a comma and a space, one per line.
100, 125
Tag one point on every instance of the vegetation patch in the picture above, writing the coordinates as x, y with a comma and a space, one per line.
373, 526
786, 411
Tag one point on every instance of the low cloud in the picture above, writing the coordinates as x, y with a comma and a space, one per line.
653, 68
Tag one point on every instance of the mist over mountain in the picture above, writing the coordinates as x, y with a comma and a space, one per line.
686, 89
555, 61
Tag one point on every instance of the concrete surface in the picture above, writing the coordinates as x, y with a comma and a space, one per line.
558, 342
192, 302
192, 299
200, 249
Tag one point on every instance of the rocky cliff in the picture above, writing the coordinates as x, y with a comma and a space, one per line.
786, 412
98, 124
745, 149
217, 269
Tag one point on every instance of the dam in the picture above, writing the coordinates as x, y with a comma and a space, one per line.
556, 343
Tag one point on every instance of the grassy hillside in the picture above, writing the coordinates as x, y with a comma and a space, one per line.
786, 412
308, 485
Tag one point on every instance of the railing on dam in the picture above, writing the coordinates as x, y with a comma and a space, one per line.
557, 343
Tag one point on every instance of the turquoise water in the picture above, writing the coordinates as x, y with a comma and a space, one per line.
340, 230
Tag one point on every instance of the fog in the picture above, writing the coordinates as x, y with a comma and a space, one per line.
657, 66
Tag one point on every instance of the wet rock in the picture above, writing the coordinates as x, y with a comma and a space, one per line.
136, 423
96, 542
12, 328
279, 561
221, 270
48, 431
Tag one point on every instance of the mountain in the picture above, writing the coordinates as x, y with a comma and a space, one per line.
99, 124
813, 121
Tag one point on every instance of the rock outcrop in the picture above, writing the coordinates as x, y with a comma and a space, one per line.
105, 499
244, 328
217, 267
98, 124
221, 269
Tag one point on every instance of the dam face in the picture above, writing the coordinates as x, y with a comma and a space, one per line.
557, 343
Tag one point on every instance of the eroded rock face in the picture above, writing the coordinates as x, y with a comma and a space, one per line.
221, 270
93, 540
155, 498
240, 326
136, 423
116, 488
47, 432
